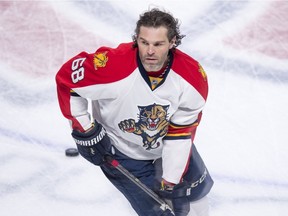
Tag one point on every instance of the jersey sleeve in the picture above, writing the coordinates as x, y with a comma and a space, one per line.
72, 105
87, 77
178, 142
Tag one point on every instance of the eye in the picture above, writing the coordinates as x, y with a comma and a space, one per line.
148, 113
158, 44
159, 113
144, 43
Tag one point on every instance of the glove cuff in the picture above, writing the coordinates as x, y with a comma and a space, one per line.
89, 138
182, 189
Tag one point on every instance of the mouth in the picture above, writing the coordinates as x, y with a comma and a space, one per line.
152, 126
150, 59
150, 62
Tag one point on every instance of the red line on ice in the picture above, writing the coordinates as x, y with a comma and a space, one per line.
36, 40
267, 35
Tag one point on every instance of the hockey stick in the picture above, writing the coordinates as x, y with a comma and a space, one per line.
151, 193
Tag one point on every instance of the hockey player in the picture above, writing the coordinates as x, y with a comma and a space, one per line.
147, 99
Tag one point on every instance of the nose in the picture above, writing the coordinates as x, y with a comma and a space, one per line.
150, 50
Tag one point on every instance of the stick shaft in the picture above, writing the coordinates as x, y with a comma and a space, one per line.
151, 193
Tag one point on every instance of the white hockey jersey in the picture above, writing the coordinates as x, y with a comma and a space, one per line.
143, 122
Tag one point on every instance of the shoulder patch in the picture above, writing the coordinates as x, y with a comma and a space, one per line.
203, 73
100, 59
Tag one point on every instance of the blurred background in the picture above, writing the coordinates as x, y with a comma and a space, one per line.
242, 45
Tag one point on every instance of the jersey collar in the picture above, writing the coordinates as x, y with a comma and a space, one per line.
144, 73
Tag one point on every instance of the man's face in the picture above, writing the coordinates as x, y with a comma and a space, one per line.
153, 47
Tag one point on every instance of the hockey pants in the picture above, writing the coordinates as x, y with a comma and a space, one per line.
149, 172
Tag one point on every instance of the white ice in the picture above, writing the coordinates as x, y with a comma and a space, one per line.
243, 47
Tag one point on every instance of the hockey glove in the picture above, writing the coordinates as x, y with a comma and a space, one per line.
178, 196
94, 144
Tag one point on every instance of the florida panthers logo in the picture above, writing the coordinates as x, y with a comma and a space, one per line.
100, 60
151, 125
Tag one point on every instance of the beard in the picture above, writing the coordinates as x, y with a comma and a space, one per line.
152, 63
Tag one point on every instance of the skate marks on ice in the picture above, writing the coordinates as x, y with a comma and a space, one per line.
240, 43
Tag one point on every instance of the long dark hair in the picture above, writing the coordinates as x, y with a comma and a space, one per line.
156, 18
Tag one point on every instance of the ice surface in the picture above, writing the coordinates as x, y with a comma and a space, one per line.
243, 45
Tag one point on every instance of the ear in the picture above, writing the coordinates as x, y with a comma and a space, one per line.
141, 108
172, 42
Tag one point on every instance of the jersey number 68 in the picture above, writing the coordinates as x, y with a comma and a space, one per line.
77, 70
